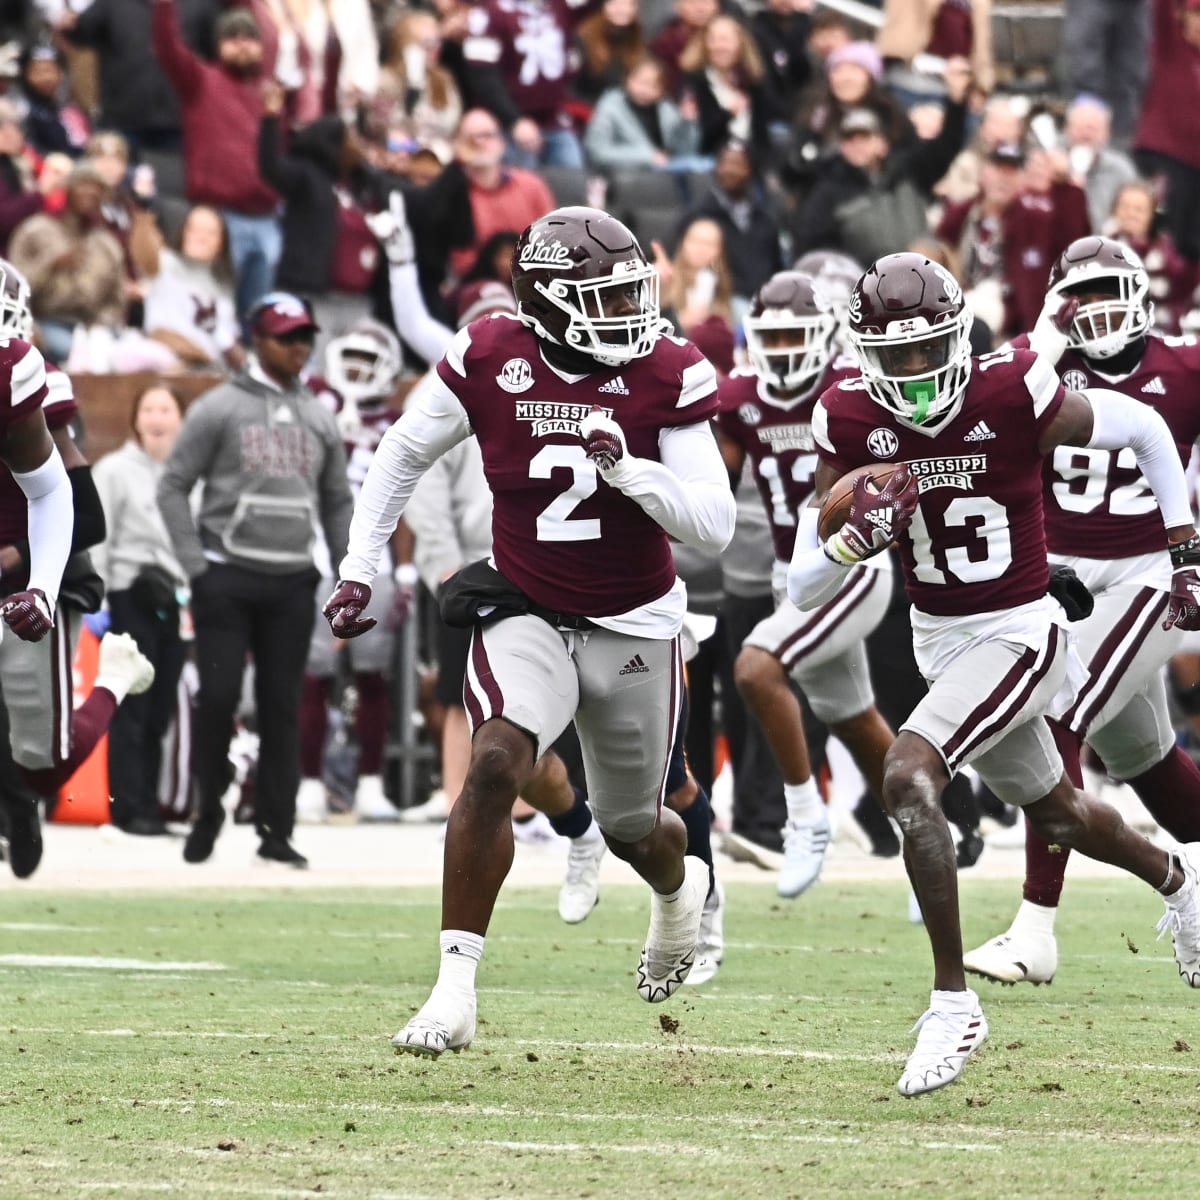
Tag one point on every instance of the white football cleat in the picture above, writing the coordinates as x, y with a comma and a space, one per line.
947, 1038
1182, 917
710, 944
670, 948
446, 1021
740, 848
804, 849
436, 809
312, 808
1018, 956
580, 892
123, 669
370, 802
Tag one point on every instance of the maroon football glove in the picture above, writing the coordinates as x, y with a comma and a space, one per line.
28, 614
344, 609
1183, 611
603, 441
876, 519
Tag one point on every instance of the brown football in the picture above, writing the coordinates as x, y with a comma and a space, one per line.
836, 508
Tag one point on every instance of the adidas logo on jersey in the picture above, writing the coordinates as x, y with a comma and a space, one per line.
634, 666
614, 387
1155, 387
981, 433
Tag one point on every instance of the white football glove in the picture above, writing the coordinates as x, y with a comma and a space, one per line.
392, 229
1053, 329
603, 441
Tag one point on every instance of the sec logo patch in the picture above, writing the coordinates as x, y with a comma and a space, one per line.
883, 443
516, 376
1074, 381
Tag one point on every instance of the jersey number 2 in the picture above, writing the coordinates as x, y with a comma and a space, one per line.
554, 522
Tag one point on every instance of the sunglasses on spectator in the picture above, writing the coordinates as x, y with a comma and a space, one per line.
296, 337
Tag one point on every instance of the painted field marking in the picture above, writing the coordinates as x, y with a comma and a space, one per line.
102, 963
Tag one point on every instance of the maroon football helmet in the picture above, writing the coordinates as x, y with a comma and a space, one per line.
582, 281
910, 328
837, 274
789, 331
1100, 264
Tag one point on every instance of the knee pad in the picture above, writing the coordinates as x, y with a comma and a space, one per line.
625, 827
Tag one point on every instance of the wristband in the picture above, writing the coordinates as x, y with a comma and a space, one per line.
405, 575
1185, 553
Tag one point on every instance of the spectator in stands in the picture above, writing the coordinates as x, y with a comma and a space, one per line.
724, 74
853, 80
75, 267
53, 125
519, 67
301, 50
1167, 146
493, 264
189, 290
502, 198
269, 459
696, 285
1089, 161
736, 201
610, 44
1135, 222
781, 30
222, 109
1010, 234
831, 30
143, 579
940, 29
329, 252
128, 197
872, 198
22, 192
1002, 124
416, 93
1108, 55
691, 17
635, 125
135, 97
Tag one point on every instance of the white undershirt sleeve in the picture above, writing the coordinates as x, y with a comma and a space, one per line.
423, 434
51, 523
425, 334
688, 492
813, 577
1117, 422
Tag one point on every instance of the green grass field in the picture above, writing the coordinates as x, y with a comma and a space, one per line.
242, 1051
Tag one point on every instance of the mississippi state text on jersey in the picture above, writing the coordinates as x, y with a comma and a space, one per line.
976, 542
1098, 505
776, 436
559, 532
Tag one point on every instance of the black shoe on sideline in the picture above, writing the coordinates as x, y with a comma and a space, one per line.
277, 849
24, 837
199, 845
144, 827
873, 821
970, 847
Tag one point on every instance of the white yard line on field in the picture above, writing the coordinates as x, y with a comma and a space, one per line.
99, 962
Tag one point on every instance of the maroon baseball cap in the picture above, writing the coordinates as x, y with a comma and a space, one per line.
280, 313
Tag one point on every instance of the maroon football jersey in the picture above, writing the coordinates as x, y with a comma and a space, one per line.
777, 439
559, 532
976, 542
31, 383
361, 433
530, 42
1098, 505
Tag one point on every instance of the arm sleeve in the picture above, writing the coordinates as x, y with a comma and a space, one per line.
688, 492
813, 577
405, 453
89, 531
1117, 422
51, 522
424, 333
190, 456
274, 166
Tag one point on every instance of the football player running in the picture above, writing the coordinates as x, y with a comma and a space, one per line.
766, 418
582, 615
1102, 521
966, 510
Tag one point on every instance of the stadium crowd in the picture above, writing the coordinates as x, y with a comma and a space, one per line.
299, 202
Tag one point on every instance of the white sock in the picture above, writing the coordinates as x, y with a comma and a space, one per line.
1035, 918
803, 802
461, 953
589, 836
963, 1001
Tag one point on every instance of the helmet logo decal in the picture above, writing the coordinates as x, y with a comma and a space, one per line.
854, 310
515, 376
953, 291
549, 255
882, 443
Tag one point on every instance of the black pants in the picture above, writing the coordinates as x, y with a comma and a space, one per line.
240, 613
759, 809
135, 738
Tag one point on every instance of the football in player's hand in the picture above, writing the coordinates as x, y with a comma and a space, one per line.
836, 509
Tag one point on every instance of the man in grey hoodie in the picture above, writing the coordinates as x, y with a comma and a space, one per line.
271, 464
